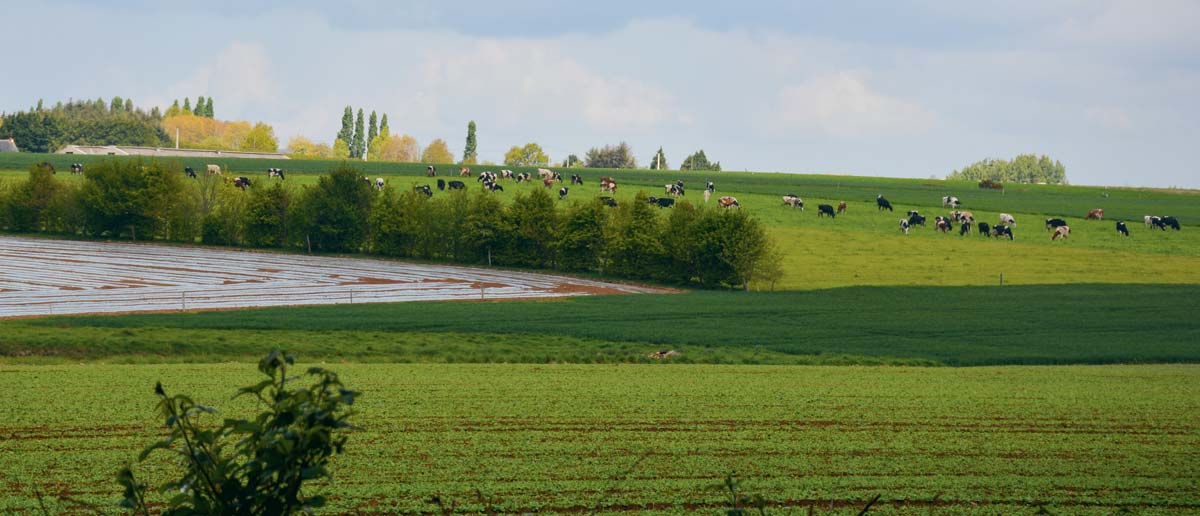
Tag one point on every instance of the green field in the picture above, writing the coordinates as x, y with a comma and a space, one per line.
567, 439
1067, 324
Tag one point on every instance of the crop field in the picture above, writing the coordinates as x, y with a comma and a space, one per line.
652, 439
46, 277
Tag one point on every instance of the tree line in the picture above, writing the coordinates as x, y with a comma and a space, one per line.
203, 108
84, 122
151, 200
1026, 168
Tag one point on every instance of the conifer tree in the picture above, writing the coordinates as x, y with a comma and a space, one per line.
469, 154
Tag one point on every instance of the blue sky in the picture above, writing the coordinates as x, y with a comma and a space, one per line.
911, 88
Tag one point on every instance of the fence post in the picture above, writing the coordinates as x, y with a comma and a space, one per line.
1001, 279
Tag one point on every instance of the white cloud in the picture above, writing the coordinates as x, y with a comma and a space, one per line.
239, 78
1111, 118
843, 105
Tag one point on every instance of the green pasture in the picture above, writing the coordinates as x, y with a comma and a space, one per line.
1040, 324
647, 439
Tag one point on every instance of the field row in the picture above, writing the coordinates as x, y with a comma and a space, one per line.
622, 439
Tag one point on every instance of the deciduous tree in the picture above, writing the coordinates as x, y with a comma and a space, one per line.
470, 156
530, 155
437, 152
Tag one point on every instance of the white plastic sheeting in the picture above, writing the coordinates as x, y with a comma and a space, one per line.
51, 277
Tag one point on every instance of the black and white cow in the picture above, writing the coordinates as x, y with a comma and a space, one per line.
441, 184
425, 189
494, 187
190, 172
985, 229
826, 209
430, 171
379, 183
1006, 219
904, 226
486, 177
77, 168
456, 185
1121, 228
576, 179
275, 172
950, 201
964, 228
942, 224
241, 182
506, 174
1054, 223
675, 189
794, 201
562, 193
710, 186
665, 202
1000, 230
1170, 221
882, 203
916, 219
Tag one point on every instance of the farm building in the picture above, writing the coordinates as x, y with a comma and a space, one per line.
121, 150
8, 145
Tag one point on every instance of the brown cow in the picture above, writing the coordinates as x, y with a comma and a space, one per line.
464, 172
841, 207
608, 184
1061, 231
1097, 214
728, 202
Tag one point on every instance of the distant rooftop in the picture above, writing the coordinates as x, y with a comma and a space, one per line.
8, 145
122, 150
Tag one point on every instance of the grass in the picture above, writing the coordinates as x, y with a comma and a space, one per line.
1043, 324
553, 439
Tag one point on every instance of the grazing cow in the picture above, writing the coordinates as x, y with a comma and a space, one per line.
1169, 221
882, 203
1002, 230
943, 224
241, 182
916, 220
794, 201
190, 172
1121, 228
1007, 219
425, 189
966, 216
430, 171
728, 202
275, 172
506, 174
665, 202
456, 185
904, 226
486, 177
464, 172
548, 182
379, 183
213, 170
1149, 219
1054, 223
523, 176
841, 207
495, 187
964, 228
950, 201
985, 229
608, 184
576, 179
77, 168
441, 184
1097, 214
1061, 231
913, 212
562, 193
826, 209
608, 201
545, 173
710, 186
673, 189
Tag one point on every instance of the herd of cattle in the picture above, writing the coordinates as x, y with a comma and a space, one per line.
964, 220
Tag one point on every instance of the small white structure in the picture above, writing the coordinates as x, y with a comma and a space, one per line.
122, 150
8, 145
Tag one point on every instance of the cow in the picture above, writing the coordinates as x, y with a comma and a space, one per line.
904, 226
190, 172
962, 216
1096, 214
950, 201
882, 203
275, 172
241, 182
430, 171
576, 179
1002, 230
425, 189
841, 207
826, 209
1121, 228
456, 185
1149, 219
708, 185
1054, 223
562, 193
665, 202
523, 176
486, 177
441, 184
213, 170
506, 174
379, 183
545, 173
494, 187
77, 168
1061, 232
794, 201
608, 201
608, 184
964, 228
913, 212
1007, 219
985, 229
673, 189
915, 219
728, 202
464, 172
548, 183
1169, 221
943, 224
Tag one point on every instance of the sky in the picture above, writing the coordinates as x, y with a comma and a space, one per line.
904, 88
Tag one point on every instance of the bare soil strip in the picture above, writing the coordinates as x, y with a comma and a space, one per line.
54, 277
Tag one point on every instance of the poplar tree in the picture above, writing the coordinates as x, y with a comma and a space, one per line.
347, 132
383, 126
469, 154
359, 145
372, 128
